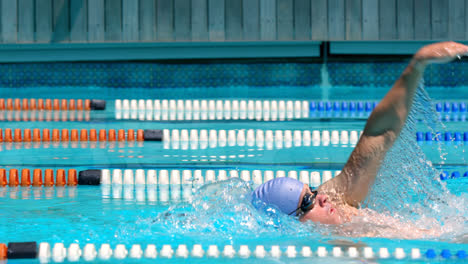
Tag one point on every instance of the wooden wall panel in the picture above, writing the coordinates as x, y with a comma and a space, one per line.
199, 20
405, 21
96, 21
268, 19
301, 19
336, 20
43, 20
319, 19
353, 19
25, 21
9, 21
370, 20
251, 19
79, 20
216, 20
285, 19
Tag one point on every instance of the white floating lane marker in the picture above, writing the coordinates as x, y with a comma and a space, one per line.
352, 252
196, 110
289, 110
89, 252
235, 110
136, 252
306, 252
157, 110
105, 252
353, 137
281, 110
204, 110
291, 252
368, 253
322, 252
274, 110
182, 251
327, 175
188, 109
213, 251
212, 138
117, 176
399, 253
151, 252
292, 174
152, 178
260, 251
74, 252
59, 252
244, 251
242, 110
222, 175
105, 177
297, 109
266, 110
337, 252
44, 253
415, 253
128, 177
275, 251
140, 177
166, 251
229, 251
383, 253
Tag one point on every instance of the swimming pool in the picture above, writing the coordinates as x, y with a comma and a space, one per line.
152, 201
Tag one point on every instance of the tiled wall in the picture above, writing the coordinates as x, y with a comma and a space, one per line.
157, 75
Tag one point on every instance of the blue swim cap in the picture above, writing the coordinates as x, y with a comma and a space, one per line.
283, 193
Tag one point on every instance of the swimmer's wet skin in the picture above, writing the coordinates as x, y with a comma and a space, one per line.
337, 200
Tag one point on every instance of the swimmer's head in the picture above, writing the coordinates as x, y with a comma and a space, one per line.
293, 197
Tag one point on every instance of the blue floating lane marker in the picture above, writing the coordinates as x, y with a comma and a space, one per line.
328, 106
444, 175
461, 254
458, 136
344, 106
454, 107
448, 136
430, 253
352, 106
336, 106
419, 136
446, 107
438, 107
320, 106
446, 253
428, 136
462, 107
455, 175
465, 174
312, 106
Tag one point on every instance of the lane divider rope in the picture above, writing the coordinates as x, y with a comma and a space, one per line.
35, 115
45, 253
39, 178
36, 135
203, 138
25, 104
439, 136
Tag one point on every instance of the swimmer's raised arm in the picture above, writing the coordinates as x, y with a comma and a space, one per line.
384, 125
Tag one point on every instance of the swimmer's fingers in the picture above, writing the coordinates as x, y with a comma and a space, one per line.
441, 52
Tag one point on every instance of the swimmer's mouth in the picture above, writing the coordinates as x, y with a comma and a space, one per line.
331, 211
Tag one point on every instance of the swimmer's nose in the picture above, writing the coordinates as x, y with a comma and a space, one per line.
321, 199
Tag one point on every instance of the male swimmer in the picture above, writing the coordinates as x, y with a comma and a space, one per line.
337, 200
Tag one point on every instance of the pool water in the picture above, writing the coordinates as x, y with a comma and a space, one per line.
214, 214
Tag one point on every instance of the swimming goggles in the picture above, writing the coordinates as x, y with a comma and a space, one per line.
307, 202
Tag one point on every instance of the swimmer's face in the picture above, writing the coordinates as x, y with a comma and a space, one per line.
323, 211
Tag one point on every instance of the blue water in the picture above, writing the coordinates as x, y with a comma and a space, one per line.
221, 213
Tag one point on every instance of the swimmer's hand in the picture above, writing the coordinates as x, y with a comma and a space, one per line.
441, 52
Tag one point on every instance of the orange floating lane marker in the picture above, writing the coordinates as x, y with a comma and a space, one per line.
87, 105
25, 178
60, 181
9, 104
1, 135
79, 104
102, 135
36, 135
3, 251
40, 104
130, 135
13, 180
49, 178
72, 179
74, 135
65, 135
112, 135
3, 178
8, 136
56, 104
48, 105
27, 135
64, 104
37, 178
45, 135
18, 135
32, 104
92, 135
55, 135
2, 104
25, 104
140, 135
121, 135
17, 104
71, 105
84, 135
